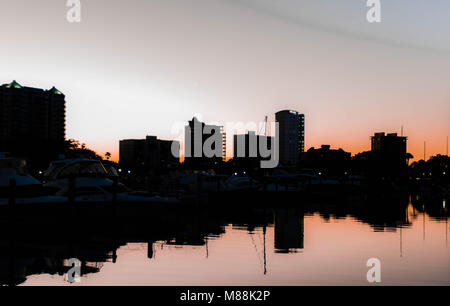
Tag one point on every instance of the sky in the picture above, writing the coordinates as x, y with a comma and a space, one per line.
135, 68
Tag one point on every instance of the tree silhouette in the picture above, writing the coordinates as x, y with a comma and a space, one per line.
409, 156
73, 149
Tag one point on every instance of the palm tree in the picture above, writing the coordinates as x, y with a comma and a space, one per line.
409, 156
107, 155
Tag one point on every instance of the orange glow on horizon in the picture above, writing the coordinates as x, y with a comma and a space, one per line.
413, 147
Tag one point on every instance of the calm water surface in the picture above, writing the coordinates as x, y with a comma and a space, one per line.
288, 246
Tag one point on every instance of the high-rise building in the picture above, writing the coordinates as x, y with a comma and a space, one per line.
32, 120
291, 136
390, 146
389, 143
289, 230
196, 135
148, 153
160, 153
131, 153
247, 149
387, 158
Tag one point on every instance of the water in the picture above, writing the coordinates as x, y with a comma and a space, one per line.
317, 244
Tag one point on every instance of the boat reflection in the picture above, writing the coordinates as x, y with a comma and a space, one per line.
44, 247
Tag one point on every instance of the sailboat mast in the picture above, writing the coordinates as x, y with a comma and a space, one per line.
265, 261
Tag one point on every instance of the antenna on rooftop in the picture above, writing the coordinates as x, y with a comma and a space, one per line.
265, 125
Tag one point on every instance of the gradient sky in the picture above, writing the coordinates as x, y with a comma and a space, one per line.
135, 68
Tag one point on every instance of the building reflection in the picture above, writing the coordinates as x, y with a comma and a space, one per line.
289, 227
35, 247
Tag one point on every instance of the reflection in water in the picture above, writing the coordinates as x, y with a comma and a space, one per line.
288, 230
297, 244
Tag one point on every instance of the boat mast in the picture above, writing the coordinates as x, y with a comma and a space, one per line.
265, 261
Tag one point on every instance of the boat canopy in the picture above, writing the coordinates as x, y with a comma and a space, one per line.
82, 167
18, 166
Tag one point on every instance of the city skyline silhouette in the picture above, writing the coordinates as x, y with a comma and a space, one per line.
236, 128
132, 69
216, 149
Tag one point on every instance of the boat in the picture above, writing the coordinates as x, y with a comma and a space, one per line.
19, 188
92, 183
240, 183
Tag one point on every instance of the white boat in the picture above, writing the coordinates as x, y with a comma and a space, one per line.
92, 182
27, 189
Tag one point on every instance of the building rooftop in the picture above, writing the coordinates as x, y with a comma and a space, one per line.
288, 111
16, 85
13, 84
